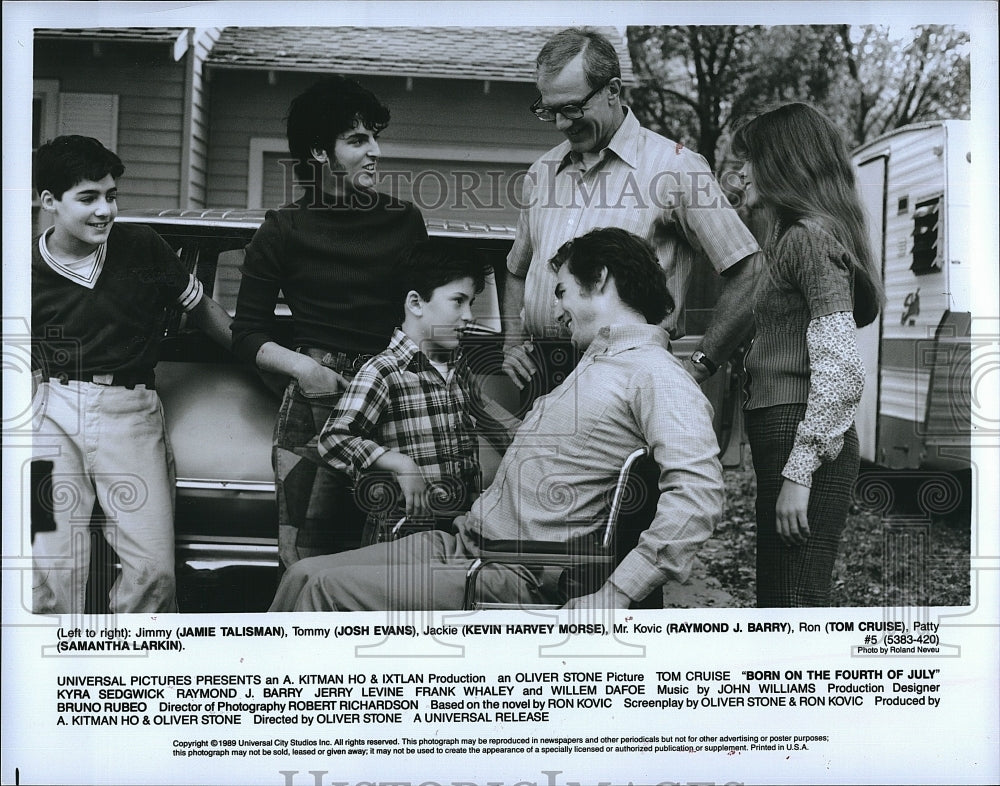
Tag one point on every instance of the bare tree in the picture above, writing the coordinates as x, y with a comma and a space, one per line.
689, 77
924, 75
696, 82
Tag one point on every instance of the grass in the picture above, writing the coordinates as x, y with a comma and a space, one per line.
884, 560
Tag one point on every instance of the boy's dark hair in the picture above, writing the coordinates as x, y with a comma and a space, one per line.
63, 162
323, 112
434, 262
631, 262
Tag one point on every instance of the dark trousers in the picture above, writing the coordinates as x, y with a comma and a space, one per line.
797, 575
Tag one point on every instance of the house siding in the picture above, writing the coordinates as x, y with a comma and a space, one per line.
150, 89
454, 114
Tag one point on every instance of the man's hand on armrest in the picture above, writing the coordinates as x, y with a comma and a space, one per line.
607, 597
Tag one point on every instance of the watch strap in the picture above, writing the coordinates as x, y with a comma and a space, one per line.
702, 359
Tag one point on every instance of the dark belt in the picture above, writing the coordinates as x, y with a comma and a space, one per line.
341, 362
120, 379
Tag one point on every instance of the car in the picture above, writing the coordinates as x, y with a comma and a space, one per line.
220, 414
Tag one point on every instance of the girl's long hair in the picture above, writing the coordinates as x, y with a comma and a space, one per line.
802, 171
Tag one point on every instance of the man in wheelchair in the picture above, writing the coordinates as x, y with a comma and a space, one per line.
552, 485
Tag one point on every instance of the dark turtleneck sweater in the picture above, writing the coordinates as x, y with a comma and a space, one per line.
333, 262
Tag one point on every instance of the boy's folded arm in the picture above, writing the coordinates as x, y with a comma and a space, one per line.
345, 440
343, 448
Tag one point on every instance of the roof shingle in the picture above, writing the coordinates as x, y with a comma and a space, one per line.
497, 53
165, 35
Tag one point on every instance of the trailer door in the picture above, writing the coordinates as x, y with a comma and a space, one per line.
872, 187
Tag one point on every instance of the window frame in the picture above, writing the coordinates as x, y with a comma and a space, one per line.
936, 264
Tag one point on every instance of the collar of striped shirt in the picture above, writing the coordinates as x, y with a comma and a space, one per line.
613, 339
624, 144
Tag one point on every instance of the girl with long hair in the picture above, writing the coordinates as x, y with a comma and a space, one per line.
818, 282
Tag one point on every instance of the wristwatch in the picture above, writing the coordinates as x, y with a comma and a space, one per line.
702, 359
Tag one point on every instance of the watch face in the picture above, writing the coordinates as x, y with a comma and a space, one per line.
701, 359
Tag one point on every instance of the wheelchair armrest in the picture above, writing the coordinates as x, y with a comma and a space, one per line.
562, 556
589, 556
528, 547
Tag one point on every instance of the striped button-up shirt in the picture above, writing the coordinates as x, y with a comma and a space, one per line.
553, 482
398, 401
643, 183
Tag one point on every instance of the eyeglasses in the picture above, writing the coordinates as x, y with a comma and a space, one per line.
572, 111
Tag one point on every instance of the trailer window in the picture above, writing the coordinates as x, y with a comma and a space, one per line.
927, 236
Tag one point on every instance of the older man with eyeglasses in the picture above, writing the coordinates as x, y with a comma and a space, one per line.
612, 172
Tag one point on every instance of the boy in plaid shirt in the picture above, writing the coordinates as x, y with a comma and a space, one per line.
404, 427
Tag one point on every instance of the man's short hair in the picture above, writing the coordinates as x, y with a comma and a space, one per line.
323, 112
600, 60
434, 262
67, 160
630, 261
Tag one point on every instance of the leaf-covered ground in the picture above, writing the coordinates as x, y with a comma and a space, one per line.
880, 562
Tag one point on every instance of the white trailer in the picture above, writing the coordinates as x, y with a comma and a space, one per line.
916, 409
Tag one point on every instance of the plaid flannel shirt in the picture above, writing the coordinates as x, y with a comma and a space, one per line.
399, 402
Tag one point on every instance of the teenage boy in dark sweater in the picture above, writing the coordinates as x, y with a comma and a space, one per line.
100, 295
